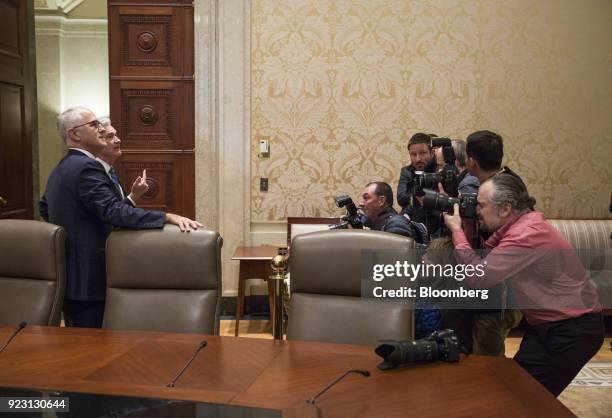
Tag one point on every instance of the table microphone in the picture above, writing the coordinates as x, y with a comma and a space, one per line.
364, 373
21, 326
195, 353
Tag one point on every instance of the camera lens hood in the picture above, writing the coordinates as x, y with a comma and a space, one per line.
393, 353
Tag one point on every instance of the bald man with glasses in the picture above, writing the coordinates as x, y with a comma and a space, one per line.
81, 197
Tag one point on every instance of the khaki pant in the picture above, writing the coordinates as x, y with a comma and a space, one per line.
490, 330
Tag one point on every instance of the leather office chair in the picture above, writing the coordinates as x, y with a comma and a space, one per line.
163, 280
326, 303
32, 272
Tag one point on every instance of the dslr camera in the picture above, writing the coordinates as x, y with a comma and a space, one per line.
353, 217
447, 176
439, 345
437, 201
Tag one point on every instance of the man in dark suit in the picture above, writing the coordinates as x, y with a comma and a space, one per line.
81, 198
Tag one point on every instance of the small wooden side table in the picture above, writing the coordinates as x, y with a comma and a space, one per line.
254, 264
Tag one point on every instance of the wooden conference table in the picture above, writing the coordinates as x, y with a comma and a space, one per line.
268, 374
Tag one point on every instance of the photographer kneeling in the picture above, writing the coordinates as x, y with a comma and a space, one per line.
547, 278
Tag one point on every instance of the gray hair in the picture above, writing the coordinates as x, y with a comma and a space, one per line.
459, 148
69, 118
105, 121
511, 189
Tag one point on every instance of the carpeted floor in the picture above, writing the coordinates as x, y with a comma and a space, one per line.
595, 374
589, 396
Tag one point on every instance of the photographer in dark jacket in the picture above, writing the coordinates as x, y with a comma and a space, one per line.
421, 159
376, 202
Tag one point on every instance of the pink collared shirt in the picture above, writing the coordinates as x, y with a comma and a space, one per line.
548, 280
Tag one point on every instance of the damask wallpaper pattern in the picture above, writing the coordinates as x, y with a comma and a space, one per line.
339, 87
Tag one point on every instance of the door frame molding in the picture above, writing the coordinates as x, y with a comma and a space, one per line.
223, 125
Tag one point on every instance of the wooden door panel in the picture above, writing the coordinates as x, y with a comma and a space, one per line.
14, 153
152, 41
170, 178
9, 30
151, 114
151, 57
16, 187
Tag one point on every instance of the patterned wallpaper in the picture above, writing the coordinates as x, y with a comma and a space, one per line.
339, 87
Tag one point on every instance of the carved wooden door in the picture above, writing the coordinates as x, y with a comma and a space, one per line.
151, 57
16, 120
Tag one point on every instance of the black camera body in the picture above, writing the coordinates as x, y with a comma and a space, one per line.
437, 201
439, 345
447, 176
353, 218
447, 148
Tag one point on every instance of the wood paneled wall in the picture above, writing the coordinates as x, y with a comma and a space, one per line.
151, 57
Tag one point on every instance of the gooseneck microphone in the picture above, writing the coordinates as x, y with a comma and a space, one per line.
195, 353
21, 326
364, 373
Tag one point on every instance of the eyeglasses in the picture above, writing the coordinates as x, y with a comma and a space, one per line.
94, 124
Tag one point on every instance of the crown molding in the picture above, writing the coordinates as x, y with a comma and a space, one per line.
54, 25
57, 6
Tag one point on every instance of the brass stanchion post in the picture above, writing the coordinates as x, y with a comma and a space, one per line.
279, 269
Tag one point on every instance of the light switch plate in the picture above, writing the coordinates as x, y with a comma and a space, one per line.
263, 184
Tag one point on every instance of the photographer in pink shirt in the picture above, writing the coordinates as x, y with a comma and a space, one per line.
548, 281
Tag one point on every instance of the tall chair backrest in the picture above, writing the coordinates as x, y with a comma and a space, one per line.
32, 272
302, 225
326, 303
163, 280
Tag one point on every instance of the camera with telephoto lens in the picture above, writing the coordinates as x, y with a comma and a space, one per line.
353, 218
448, 175
439, 345
437, 201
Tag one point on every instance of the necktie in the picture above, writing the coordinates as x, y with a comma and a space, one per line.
113, 175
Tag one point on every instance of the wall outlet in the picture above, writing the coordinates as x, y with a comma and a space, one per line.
263, 184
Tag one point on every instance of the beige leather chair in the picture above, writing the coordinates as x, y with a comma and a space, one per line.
32, 272
326, 303
163, 280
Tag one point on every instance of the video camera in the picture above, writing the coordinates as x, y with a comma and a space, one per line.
439, 345
437, 201
353, 217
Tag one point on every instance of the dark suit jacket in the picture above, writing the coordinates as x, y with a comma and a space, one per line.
81, 198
